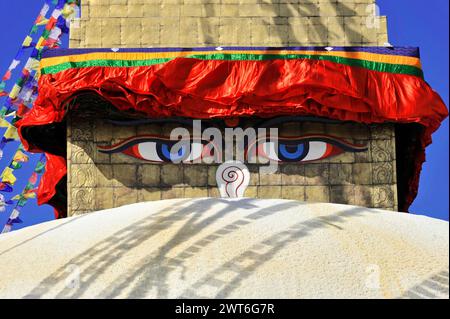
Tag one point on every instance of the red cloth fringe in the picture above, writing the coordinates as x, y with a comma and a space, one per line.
206, 89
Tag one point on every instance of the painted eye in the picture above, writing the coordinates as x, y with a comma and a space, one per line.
154, 149
303, 149
145, 150
160, 151
283, 151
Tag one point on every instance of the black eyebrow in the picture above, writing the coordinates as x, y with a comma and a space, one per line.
125, 144
336, 141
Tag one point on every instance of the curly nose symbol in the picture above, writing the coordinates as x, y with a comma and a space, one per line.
232, 179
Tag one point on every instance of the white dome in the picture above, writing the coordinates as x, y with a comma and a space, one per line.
241, 248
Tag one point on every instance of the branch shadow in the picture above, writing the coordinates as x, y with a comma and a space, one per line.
111, 248
315, 37
243, 265
96, 260
152, 272
155, 276
437, 286
319, 34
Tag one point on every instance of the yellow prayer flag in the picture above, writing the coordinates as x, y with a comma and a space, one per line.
40, 42
29, 195
4, 123
8, 176
42, 22
14, 91
27, 41
11, 133
67, 11
20, 157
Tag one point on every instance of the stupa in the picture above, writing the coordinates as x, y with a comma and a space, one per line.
328, 126
353, 113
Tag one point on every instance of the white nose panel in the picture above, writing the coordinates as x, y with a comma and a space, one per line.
232, 179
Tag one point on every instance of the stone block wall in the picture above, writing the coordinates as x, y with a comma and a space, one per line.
193, 23
100, 181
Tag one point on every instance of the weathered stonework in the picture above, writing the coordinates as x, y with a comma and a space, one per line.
99, 181
193, 23
119, 179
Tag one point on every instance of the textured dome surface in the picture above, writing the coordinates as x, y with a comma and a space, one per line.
242, 248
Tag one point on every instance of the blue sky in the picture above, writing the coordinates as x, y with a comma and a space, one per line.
425, 24
410, 23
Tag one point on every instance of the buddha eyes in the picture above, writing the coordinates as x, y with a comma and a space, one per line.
301, 149
157, 149
287, 150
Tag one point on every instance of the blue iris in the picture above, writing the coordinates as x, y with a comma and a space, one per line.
171, 156
291, 151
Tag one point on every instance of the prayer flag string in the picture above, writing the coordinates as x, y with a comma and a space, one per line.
22, 94
28, 192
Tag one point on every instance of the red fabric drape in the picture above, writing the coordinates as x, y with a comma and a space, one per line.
219, 88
